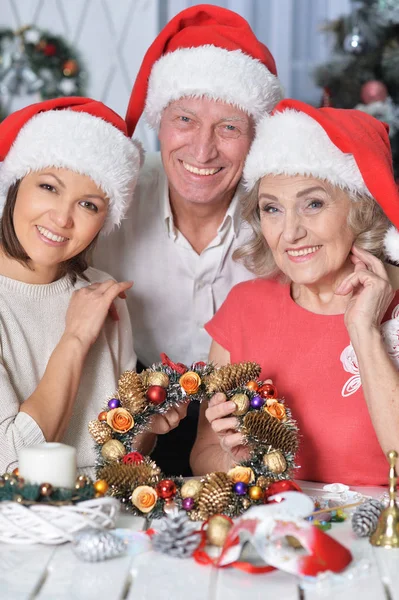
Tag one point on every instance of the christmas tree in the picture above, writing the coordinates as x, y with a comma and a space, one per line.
363, 71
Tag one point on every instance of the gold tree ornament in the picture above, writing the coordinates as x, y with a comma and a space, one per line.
131, 392
218, 529
275, 462
157, 378
126, 477
230, 377
242, 403
100, 432
387, 533
112, 451
191, 489
215, 495
267, 430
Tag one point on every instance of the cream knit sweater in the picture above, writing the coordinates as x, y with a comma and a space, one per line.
32, 321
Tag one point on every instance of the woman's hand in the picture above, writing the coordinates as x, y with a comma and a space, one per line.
371, 292
89, 307
224, 424
161, 424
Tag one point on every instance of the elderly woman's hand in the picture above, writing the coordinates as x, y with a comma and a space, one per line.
371, 292
225, 427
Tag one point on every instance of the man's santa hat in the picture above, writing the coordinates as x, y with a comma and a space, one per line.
206, 51
348, 148
79, 134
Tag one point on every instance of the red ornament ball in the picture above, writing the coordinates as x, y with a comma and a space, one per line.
267, 390
50, 49
373, 91
156, 394
277, 487
133, 458
166, 489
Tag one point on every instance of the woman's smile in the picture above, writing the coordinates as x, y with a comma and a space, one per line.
50, 237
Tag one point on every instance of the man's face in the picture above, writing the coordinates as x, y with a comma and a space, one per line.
204, 144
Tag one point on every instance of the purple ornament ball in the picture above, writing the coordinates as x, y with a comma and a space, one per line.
188, 503
240, 488
257, 402
114, 403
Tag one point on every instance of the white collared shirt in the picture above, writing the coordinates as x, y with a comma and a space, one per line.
175, 291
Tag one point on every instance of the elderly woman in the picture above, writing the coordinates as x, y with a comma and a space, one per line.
68, 171
322, 319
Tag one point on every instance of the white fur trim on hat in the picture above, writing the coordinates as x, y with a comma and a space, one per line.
292, 143
224, 75
80, 142
391, 244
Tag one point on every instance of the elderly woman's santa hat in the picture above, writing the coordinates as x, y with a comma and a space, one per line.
348, 148
79, 134
206, 51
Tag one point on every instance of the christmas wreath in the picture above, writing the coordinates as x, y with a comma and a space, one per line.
36, 61
136, 480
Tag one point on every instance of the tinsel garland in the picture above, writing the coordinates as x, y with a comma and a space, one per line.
263, 418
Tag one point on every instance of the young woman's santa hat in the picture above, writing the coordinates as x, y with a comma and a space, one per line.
207, 51
348, 148
74, 133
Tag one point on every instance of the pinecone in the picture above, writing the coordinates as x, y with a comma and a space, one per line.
124, 478
266, 429
100, 431
365, 518
131, 392
231, 376
176, 535
215, 495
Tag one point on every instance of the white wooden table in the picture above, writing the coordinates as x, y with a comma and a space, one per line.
55, 573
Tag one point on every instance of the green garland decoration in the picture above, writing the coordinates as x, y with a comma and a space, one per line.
37, 61
13, 488
136, 480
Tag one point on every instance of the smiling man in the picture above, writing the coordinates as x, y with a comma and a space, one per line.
203, 85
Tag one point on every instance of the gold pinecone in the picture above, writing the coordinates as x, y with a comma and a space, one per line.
229, 377
100, 431
124, 478
131, 392
268, 430
215, 495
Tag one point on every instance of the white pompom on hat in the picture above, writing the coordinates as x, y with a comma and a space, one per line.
346, 147
74, 133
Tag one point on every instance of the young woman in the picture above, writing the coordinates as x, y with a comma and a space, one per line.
68, 172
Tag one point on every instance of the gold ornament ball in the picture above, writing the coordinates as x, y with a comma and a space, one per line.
113, 450
16, 472
102, 416
255, 492
81, 482
101, 486
191, 489
275, 462
157, 378
217, 530
242, 403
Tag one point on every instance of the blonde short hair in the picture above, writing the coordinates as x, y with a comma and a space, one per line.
366, 219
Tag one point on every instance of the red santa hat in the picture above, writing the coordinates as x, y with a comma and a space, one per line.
348, 148
72, 133
207, 51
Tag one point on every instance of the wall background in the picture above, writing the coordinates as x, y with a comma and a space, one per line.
113, 36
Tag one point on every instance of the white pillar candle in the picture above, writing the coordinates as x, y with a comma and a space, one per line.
50, 462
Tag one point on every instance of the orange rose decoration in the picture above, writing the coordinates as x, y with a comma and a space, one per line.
277, 410
144, 498
190, 382
120, 420
239, 473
